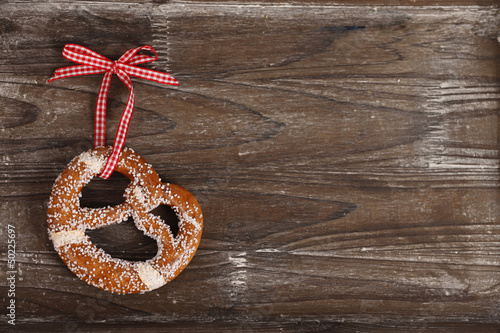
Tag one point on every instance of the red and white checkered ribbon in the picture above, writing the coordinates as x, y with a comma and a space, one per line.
93, 63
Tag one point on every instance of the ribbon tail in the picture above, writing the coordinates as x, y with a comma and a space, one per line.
100, 112
121, 133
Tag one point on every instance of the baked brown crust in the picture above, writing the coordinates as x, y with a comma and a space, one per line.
68, 221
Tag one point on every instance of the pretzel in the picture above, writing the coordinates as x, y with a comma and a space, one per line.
68, 221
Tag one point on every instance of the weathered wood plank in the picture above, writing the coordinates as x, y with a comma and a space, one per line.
346, 159
303, 327
294, 2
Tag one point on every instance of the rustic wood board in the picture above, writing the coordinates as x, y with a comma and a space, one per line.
346, 158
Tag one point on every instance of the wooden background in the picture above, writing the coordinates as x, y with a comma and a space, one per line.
345, 154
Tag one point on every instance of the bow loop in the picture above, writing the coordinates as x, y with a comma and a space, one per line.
91, 62
84, 56
131, 56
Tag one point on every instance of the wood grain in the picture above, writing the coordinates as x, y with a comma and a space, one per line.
295, 2
346, 159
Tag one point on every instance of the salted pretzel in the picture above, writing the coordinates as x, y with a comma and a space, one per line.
68, 221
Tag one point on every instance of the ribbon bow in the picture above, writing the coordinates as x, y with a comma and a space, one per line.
93, 63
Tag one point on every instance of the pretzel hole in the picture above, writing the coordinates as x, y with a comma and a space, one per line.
168, 215
124, 241
100, 193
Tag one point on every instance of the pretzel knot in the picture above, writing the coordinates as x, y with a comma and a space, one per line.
68, 221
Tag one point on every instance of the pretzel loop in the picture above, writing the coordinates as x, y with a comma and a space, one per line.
68, 221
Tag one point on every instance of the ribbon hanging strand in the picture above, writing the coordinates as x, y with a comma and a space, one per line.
91, 62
